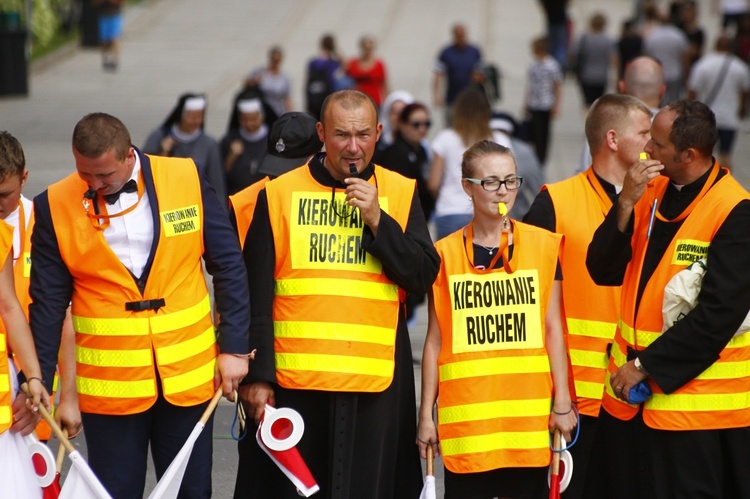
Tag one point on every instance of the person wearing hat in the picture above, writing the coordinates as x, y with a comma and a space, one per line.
182, 136
333, 247
291, 143
528, 166
244, 145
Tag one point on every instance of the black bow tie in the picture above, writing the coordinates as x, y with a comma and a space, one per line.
130, 186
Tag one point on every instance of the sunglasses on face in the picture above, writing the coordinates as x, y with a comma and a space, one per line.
419, 124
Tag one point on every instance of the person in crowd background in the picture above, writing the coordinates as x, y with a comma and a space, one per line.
322, 71
453, 209
245, 143
617, 128
181, 135
453, 70
389, 114
594, 57
629, 46
721, 81
273, 82
357, 399
110, 31
558, 30
543, 95
494, 424
669, 45
368, 72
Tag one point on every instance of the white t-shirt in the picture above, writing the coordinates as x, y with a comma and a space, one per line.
726, 104
452, 200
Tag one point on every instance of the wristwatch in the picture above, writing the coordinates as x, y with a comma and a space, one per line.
639, 366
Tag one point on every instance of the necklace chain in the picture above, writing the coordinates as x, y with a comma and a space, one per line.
490, 249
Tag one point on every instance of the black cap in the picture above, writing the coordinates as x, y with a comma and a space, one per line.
292, 140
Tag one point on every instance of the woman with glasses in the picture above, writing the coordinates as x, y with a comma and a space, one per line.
494, 351
471, 120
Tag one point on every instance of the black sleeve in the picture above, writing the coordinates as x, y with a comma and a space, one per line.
260, 258
51, 288
609, 251
693, 344
542, 212
224, 263
408, 256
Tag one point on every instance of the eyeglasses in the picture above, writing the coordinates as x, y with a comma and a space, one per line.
419, 124
494, 184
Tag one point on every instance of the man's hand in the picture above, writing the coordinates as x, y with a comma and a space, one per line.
254, 397
633, 186
364, 196
625, 378
24, 419
68, 416
230, 371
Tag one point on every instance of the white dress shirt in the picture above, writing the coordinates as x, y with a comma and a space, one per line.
131, 235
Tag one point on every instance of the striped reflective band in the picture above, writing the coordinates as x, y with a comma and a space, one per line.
2, 342
703, 402
337, 287
191, 379
488, 367
645, 338
589, 390
587, 358
495, 441
495, 409
333, 331
334, 363
4, 415
594, 329
113, 358
138, 326
116, 389
4, 383
186, 349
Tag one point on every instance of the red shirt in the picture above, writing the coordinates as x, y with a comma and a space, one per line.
371, 80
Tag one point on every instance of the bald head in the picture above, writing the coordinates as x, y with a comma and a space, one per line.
644, 79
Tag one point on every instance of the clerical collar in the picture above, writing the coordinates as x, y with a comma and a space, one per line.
185, 137
261, 134
321, 174
697, 184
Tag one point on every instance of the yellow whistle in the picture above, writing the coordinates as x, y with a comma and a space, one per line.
502, 209
643, 156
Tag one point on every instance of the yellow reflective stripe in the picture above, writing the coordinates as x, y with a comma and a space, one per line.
4, 415
495, 409
702, 402
181, 351
190, 379
111, 327
2, 342
589, 389
115, 389
726, 370
645, 338
334, 364
139, 326
333, 331
113, 358
4, 383
495, 441
594, 329
337, 287
739, 341
182, 318
489, 367
587, 358
618, 356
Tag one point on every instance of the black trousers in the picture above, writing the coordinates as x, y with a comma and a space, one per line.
540, 132
118, 448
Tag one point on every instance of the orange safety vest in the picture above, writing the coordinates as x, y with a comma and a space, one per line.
116, 343
6, 397
243, 203
335, 312
496, 389
719, 397
591, 311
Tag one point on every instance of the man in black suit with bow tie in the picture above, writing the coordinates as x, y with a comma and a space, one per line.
122, 240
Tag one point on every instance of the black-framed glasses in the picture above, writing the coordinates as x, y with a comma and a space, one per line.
494, 184
419, 124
